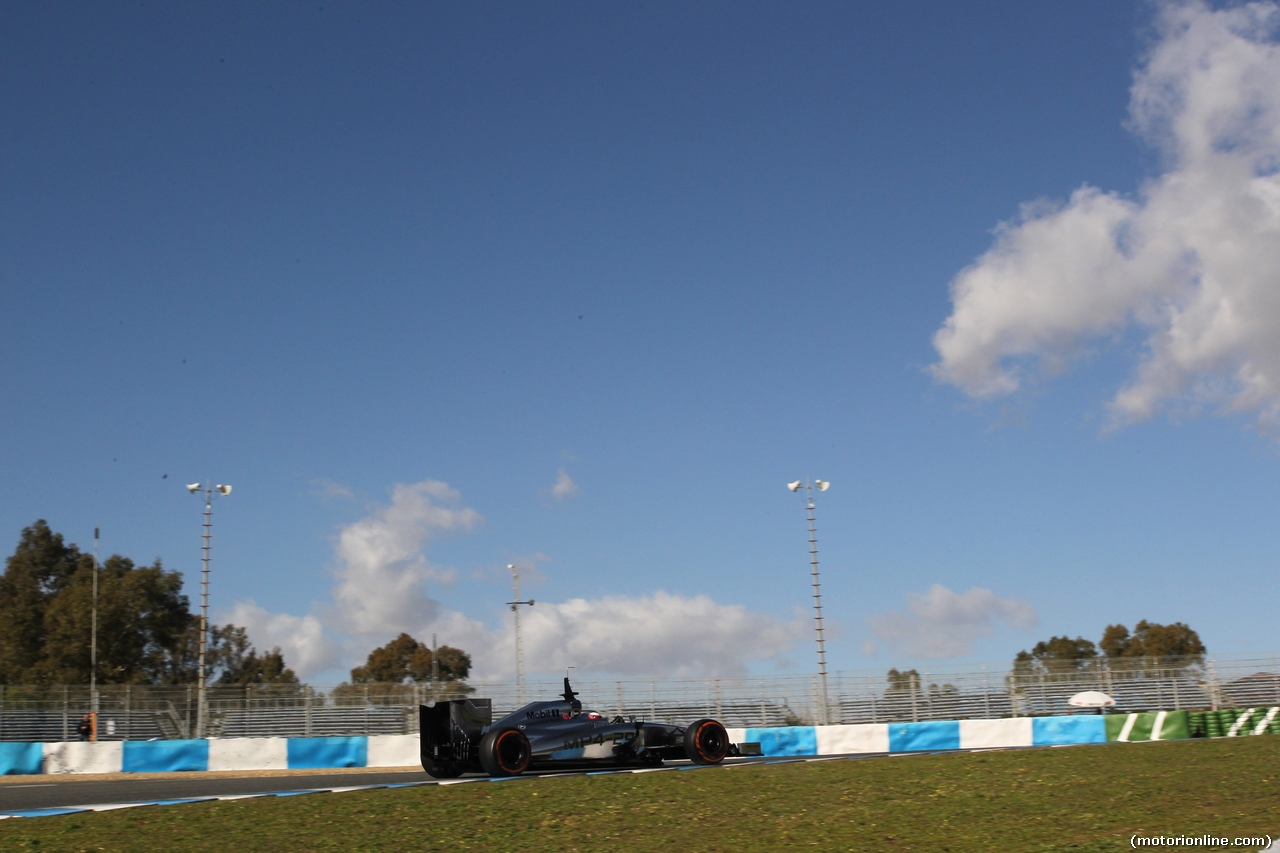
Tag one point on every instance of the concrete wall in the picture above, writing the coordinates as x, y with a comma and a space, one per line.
402, 750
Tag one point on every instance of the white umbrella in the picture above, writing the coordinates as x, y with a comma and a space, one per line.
1091, 699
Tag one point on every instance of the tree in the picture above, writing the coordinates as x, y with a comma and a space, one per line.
1058, 654
146, 633
239, 662
1152, 648
142, 616
1055, 658
1150, 645
406, 660
39, 569
907, 681
389, 673
1151, 640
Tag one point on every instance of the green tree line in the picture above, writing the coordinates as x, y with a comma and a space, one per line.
1149, 647
146, 631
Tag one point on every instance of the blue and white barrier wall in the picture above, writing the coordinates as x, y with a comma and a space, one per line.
164, 756
168, 756
930, 736
936, 735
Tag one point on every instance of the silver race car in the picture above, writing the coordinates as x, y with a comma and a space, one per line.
460, 736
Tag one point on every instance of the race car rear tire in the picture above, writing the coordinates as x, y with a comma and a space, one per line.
706, 742
505, 752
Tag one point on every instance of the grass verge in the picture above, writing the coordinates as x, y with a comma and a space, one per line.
1082, 799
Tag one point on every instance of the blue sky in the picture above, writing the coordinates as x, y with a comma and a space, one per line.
396, 270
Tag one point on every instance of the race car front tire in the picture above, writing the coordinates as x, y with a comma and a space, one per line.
505, 752
706, 742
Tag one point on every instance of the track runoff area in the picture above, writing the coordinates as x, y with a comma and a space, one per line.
42, 799
22, 799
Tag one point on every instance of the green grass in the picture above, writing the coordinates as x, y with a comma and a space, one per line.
1082, 799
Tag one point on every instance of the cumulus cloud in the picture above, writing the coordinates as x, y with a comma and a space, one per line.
943, 624
1192, 262
383, 585
382, 572
301, 639
564, 487
653, 635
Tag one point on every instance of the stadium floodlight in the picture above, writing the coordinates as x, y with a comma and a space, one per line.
822, 486
209, 491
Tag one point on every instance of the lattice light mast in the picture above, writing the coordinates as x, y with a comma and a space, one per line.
93, 646
209, 491
822, 486
515, 608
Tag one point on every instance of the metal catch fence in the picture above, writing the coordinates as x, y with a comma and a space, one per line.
142, 712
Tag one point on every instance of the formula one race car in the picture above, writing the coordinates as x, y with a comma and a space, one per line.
459, 736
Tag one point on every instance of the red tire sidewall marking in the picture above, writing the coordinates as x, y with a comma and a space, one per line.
697, 741
497, 749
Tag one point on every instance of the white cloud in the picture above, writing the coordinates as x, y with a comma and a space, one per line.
1193, 262
382, 572
943, 624
381, 587
564, 487
301, 639
653, 635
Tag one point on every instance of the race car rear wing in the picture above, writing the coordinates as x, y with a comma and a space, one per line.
451, 731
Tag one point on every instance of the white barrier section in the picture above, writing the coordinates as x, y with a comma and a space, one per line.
394, 751
249, 753
83, 757
989, 734
853, 740
736, 735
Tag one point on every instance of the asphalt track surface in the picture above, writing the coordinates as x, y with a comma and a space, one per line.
40, 793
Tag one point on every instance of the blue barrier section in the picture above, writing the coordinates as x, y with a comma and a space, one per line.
785, 740
311, 753
1050, 731
930, 735
20, 759
165, 756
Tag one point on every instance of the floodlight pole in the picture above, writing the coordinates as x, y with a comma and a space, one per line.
208, 491
435, 669
820, 485
93, 646
515, 608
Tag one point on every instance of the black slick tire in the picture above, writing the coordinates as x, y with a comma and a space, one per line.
706, 742
505, 752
